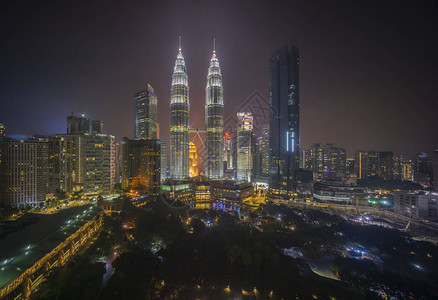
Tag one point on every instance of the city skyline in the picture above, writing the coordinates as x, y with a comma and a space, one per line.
387, 105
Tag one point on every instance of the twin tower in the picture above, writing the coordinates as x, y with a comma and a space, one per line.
179, 120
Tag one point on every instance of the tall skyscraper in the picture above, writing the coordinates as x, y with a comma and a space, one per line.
361, 164
78, 125
265, 151
244, 151
408, 170
141, 165
59, 160
228, 153
24, 172
214, 119
61, 163
193, 160
163, 164
179, 120
386, 165
98, 161
284, 121
145, 110
256, 148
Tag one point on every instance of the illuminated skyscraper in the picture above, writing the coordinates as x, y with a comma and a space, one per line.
163, 165
141, 166
328, 161
244, 153
214, 119
145, 107
265, 151
193, 160
179, 120
24, 177
228, 152
284, 120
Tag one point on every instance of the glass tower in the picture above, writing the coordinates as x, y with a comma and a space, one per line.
214, 119
284, 124
145, 114
179, 120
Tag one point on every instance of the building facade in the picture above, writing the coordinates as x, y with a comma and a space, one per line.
24, 173
214, 119
328, 161
163, 164
78, 125
179, 120
193, 160
418, 206
284, 122
62, 169
228, 153
265, 152
244, 146
141, 166
145, 110
98, 163
96, 126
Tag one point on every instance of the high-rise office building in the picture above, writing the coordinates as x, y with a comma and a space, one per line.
163, 164
397, 166
98, 163
244, 151
145, 110
257, 158
423, 169
179, 120
386, 165
349, 166
118, 163
284, 121
59, 161
408, 170
328, 161
214, 119
193, 160
78, 125
228, 152
61, 164
141, 166
373, 163
24, 172
265, 152
361, 164
96, 126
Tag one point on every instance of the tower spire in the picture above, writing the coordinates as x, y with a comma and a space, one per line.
179, 44
214, 47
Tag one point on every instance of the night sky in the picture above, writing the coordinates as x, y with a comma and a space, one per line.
368, 70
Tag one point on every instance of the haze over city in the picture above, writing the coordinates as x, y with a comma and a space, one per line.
218, 150
367, 70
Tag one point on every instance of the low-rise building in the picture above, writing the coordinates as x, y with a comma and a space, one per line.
339, 192
417, 205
